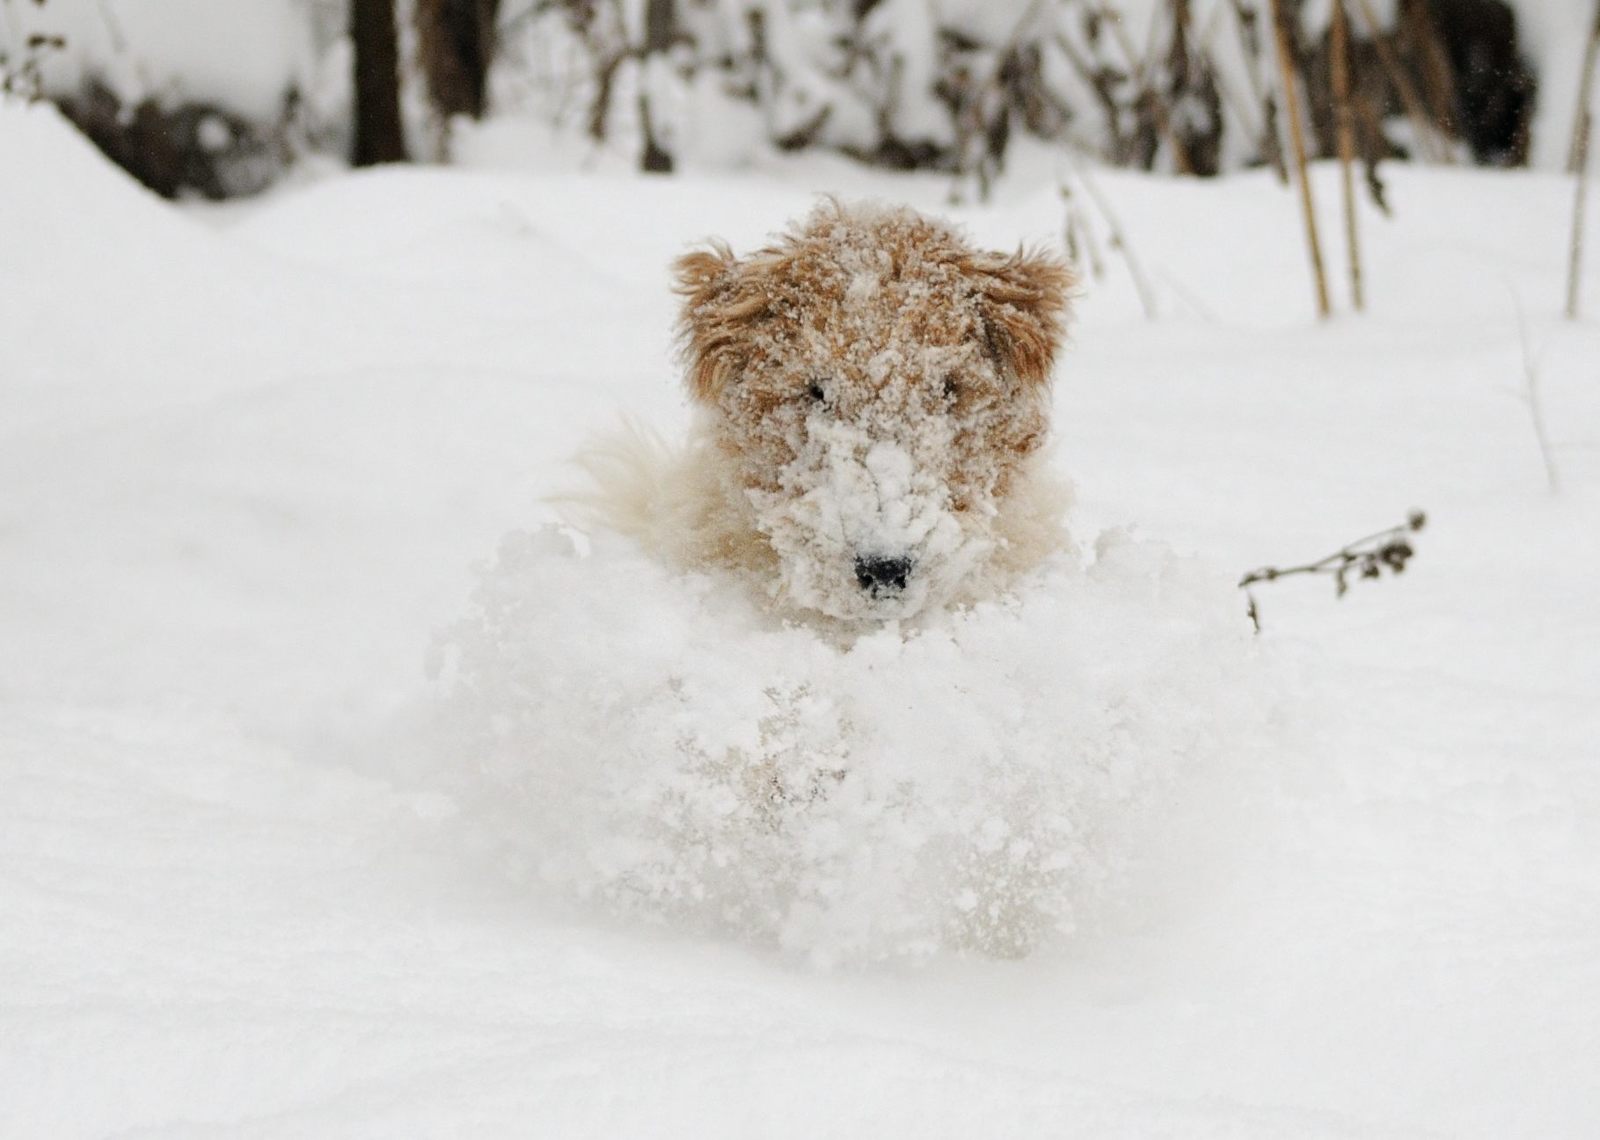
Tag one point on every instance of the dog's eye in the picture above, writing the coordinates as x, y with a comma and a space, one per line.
816, 393
950, 387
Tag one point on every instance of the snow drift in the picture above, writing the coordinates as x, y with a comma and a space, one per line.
984, 781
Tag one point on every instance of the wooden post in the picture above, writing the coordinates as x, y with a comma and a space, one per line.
1291, 107
1345, 120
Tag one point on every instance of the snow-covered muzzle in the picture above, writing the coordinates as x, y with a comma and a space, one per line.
876, 388
863, 518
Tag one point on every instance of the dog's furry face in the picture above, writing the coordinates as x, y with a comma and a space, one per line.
878, 387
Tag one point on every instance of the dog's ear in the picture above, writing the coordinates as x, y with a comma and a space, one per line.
722, 297
1022, 299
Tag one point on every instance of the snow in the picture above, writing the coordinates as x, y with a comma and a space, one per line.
1554, 36
686, 758
250, 886
248, 57
244, 57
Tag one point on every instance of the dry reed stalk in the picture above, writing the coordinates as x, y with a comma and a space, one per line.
1585, 96
1579, 205
1119, 240
1345, 120
1297, 138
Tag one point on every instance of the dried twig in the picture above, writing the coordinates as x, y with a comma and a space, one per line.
24, 78
1119, 240
1297, 138
1579, 208
1582, 129
1365, 558
1580, 125
1531, 396
1078, 235
1345, 119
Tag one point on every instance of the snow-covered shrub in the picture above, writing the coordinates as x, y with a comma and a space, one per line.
188, 96
984, 781
1189, 86
188, 148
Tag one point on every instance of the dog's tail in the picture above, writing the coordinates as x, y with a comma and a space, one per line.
625, 472
676, 502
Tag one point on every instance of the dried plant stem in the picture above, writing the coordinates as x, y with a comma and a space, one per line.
1531, 396
1297, 138
1345, 118
1581, 131
1580, 124
1580, 203
1367, 557
1078, 235
1416, 109
1119, 241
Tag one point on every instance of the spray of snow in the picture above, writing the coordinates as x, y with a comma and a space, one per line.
982, 782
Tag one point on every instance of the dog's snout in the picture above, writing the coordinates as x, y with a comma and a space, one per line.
883, 575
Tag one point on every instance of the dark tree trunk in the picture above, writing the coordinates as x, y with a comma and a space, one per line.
455, 48
378, 134
658, 34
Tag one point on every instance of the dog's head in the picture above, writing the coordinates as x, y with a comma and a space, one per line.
878, 386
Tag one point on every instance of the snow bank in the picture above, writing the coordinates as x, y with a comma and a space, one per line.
75, 199
658, 746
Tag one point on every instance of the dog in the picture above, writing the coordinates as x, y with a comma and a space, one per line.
872, 395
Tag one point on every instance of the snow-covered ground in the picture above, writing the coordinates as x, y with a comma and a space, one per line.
249, 458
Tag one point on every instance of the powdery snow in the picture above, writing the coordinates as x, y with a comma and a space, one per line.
983, 782
260, 876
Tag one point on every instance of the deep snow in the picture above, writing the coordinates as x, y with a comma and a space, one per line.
993, 780
249, 460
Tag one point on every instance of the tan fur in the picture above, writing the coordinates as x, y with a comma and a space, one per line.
868, 385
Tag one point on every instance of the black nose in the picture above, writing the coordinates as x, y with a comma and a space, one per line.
883, 575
